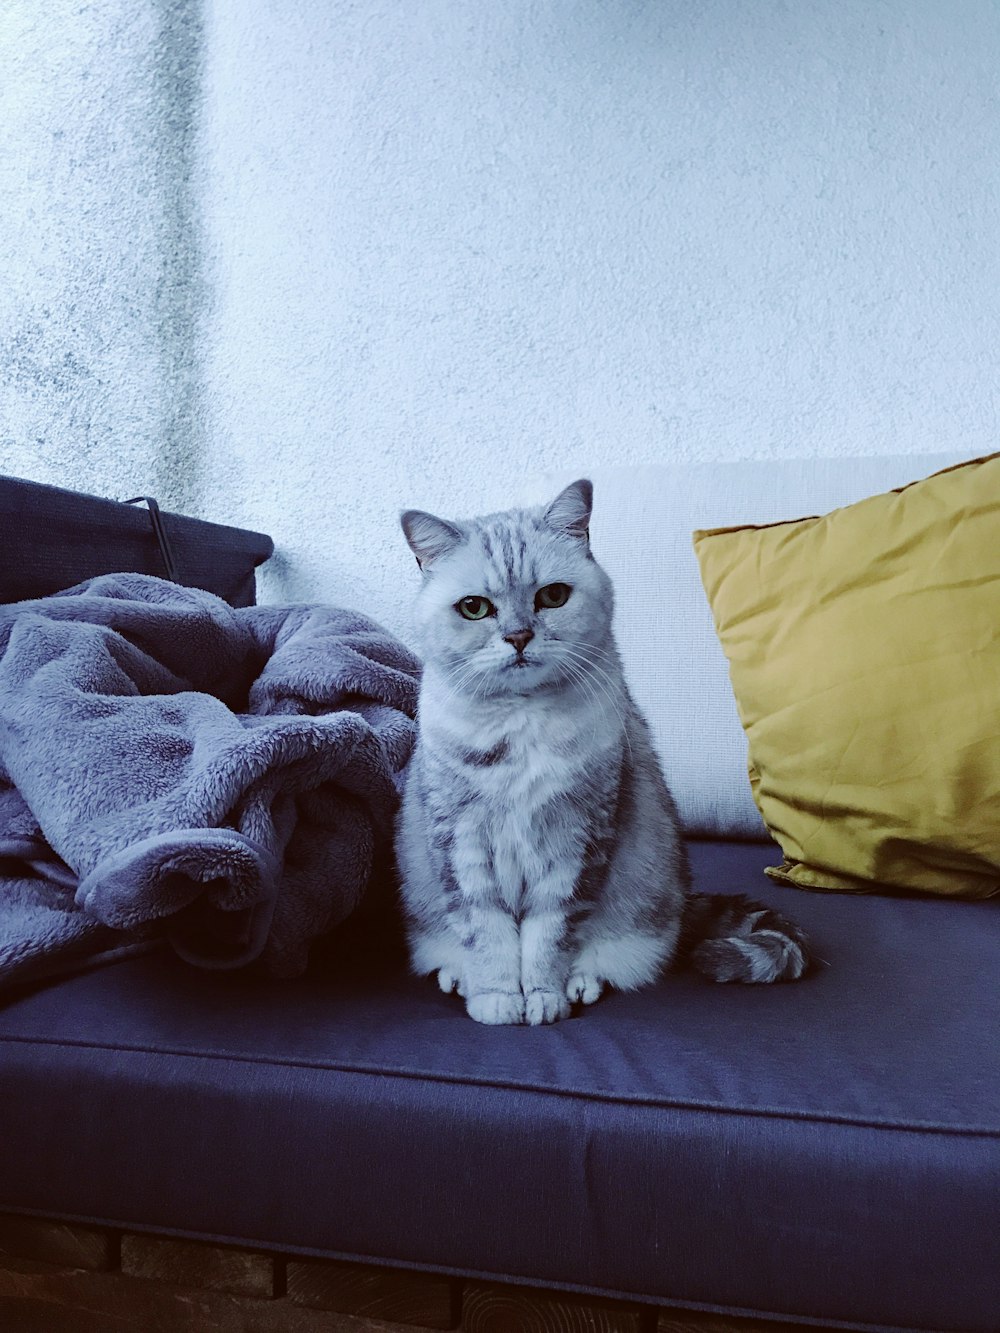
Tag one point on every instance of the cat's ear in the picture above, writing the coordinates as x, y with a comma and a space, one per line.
429, 537
569, 512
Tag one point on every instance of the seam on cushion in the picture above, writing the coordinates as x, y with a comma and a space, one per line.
540, 1284
585, 1094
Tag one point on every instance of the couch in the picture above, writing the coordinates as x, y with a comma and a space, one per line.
189, 1149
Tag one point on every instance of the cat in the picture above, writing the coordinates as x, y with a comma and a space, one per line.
539, 850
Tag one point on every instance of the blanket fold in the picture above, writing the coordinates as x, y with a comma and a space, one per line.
178, 768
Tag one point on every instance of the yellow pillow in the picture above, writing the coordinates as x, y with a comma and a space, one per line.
864, 653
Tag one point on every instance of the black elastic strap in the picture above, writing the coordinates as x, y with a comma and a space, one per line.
156, 518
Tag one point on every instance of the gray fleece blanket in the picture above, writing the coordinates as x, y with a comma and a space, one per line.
172, 768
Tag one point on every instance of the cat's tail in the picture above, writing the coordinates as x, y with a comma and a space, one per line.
728, 937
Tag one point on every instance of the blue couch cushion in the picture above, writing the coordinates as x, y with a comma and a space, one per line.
51, 538
828, 1150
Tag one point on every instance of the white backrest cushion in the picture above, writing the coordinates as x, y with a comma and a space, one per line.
641, 534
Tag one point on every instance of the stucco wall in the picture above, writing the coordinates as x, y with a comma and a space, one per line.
101, 293
320, 261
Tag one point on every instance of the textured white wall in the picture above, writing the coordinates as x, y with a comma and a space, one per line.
100, 287
307, 262
455, 241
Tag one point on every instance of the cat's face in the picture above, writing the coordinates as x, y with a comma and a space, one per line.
512, 602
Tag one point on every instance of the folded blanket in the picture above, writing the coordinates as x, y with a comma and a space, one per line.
173, 767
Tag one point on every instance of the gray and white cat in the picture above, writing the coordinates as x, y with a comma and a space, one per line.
539, 849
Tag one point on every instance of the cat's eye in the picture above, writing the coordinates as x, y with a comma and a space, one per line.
551, 596
475, 608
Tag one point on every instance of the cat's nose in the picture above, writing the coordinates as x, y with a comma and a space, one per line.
519, 638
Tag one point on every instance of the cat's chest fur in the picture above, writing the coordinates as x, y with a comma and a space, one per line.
520, 752
526, 776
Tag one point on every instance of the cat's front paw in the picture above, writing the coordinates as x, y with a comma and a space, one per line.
495, 1007
584, 988
450, 981
545, 1006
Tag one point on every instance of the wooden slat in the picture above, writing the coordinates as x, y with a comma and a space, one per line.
35, 1298
188, 1263
492, 1308
406, 1297
58, 1242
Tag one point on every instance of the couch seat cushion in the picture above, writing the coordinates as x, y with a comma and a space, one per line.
828, 1150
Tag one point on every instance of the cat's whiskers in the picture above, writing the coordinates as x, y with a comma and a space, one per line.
576, 674
466, 683
591, 673
590, 657
595, 683
591, 688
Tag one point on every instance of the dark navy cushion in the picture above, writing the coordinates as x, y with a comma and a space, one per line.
51, 538
828, 1150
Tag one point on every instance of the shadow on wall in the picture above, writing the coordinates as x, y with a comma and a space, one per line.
279, 581
103, 288
182, 292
